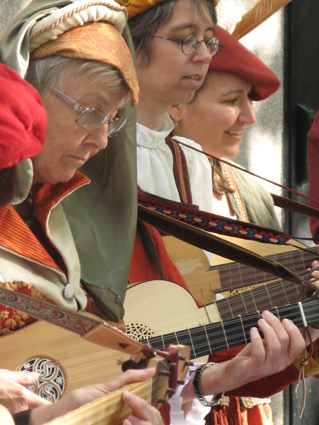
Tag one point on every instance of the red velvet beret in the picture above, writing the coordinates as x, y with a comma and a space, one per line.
236, 59
22, 119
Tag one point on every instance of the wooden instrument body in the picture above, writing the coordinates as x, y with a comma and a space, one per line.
82, 363
204, 281
111, 410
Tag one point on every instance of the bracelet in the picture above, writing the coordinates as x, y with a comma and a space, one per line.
216, 400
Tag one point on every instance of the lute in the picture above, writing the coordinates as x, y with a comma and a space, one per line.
110, 410
67, 362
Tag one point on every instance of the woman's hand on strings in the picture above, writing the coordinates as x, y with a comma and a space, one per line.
281, 343
143, 413
13, 392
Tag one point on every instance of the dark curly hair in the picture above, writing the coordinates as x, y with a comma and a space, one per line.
146, 23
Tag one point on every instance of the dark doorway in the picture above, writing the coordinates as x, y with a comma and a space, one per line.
301, 104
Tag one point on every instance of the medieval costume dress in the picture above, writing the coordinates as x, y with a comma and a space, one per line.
86, 246
153, 150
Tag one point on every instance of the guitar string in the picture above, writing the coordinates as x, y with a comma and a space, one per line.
281, 282
235, 325
290, 260
283, 292
234, 307
252, 303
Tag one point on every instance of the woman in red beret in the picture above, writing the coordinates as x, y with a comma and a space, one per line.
216, 118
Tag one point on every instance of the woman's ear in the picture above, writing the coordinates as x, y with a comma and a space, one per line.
175, 112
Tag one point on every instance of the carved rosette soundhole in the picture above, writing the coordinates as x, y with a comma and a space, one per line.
139, 331
51, 384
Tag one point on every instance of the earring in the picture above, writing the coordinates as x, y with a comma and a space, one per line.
175, 125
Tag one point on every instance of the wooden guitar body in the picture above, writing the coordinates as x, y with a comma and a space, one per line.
160, 306
64, 360
110, 409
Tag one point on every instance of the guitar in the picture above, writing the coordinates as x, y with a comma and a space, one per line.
67, 362
110, 410
204, 281
156, 327
64, 360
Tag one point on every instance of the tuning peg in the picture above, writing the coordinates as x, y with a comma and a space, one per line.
170, 391
181, 357
161, 401
180, 381
164, 372
188, 363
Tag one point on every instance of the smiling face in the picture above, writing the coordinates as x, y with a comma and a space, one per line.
67, 146
218, 115
171, 76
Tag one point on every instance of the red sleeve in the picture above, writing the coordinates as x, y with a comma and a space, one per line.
313, 163
264, 387
268, 386
141, 267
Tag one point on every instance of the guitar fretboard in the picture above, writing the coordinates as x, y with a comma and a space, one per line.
235, 275
208, 339
259, 299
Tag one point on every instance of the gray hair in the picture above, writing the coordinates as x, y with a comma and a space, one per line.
55, 70
147, 23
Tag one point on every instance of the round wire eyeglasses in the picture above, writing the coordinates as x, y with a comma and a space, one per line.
191, 43
90, 118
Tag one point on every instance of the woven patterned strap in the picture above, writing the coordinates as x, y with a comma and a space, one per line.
215, 223
180, 171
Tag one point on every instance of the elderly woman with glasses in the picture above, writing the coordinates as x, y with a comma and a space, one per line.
23, 124
74, 54
84, 72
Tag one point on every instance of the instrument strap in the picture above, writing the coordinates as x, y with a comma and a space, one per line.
212, 222
279, 200
180, 171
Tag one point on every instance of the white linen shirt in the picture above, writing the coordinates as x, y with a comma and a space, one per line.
155, 166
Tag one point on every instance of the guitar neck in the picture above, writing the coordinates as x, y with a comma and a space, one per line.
262, 298
236, 275
215, 337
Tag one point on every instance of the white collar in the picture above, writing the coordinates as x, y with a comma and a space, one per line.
152, 139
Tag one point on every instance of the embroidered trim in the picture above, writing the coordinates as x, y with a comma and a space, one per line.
233, 185
180, 171
215, 223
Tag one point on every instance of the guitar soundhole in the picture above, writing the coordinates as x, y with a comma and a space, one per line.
139, 331
51, 384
